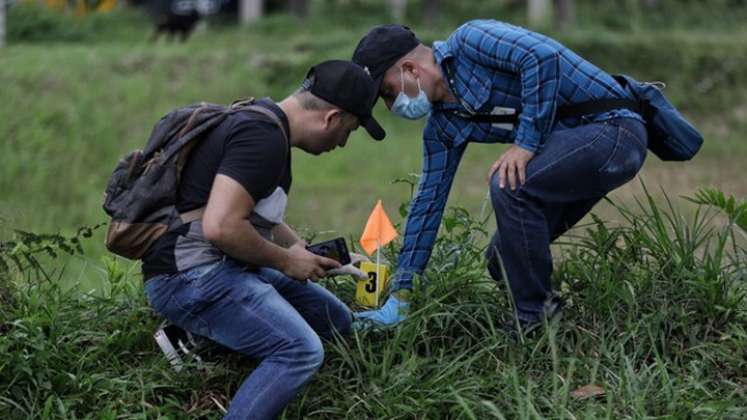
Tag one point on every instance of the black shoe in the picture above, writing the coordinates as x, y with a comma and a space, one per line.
180, 346
530, 329
516, 328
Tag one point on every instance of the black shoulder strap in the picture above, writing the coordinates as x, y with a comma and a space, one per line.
270, 115
580, 109
596, 106
250, 104
490, 118
273, 117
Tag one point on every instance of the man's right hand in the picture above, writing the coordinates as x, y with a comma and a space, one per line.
303, 265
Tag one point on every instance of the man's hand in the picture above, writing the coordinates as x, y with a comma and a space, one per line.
348, 270
512, 165
352, 268
357, 259
303, 265
395, 310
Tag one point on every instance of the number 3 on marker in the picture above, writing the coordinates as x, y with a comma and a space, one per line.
371, 285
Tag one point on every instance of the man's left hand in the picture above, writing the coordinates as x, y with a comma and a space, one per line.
511, 166
352, 268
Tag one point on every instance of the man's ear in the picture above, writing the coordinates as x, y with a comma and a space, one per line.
330, 116
411, 66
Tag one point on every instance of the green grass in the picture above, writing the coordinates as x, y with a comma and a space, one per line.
656, 317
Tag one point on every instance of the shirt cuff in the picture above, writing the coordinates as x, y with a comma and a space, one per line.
528, 147
527, 136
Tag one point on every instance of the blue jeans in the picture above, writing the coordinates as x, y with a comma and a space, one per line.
262, 314
576, 168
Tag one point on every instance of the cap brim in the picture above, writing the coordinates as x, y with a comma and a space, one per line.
377, 85
370, 124
373, 128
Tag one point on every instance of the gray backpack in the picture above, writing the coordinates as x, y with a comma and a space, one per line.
141, 194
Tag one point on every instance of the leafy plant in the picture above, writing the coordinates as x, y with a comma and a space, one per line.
735, 209
24, 256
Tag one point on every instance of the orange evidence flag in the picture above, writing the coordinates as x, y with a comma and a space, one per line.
379, 230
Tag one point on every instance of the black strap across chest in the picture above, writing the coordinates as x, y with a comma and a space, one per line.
596, 106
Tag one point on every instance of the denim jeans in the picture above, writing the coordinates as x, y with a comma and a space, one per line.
262, 314
576, 168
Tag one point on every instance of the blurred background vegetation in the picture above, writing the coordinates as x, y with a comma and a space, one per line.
83, 82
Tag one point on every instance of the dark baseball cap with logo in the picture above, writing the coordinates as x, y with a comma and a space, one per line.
348, 86
383, 46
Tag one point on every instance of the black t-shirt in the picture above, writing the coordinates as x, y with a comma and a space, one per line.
246, 147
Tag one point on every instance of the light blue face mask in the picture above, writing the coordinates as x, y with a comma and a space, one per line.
411, 108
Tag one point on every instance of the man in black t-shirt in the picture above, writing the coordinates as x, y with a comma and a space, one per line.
239, 275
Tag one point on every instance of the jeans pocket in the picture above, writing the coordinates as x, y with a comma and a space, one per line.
623, 163
158, 290
187, 314
638, 141
196, 275
212, 282
611, 161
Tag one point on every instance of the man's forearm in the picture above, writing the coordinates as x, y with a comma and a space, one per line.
284, 236
240, 240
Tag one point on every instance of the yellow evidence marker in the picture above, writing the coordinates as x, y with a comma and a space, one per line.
368, 292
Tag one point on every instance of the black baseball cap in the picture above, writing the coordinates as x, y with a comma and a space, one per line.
382, 47
348, 86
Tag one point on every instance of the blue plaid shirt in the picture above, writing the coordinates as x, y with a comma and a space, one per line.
494, 67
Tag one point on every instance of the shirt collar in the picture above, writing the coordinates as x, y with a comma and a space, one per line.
441, 51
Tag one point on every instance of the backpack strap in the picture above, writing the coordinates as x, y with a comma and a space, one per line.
267, 113
191, 120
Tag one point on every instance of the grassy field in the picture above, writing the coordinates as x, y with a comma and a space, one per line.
657, 310
655, 328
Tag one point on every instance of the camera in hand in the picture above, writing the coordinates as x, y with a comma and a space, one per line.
335, 249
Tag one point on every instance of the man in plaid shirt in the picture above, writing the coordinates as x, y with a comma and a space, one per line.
554, 171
